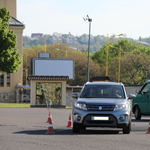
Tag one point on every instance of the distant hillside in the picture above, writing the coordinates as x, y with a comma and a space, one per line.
77, 42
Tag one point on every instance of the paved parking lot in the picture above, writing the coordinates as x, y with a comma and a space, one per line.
25, 128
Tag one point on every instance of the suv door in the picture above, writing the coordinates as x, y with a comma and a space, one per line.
143, 99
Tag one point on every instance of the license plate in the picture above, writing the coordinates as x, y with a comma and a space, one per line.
100, 118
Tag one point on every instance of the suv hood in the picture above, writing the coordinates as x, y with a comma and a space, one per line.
101, 101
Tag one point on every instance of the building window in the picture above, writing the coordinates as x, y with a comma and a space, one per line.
8, 80
1, 80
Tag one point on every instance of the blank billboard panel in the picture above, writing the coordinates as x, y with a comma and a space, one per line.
53, 67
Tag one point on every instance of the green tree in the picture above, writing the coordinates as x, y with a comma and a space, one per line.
113, 50
10, 59
134, 68
59, 51
134, 61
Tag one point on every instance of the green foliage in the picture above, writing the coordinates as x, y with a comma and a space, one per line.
58, 89
38, 87
59, 51
135, 61
134, 68
10, 59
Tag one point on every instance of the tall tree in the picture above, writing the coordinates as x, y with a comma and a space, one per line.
134, 68
113, 50
10, 59
134, 61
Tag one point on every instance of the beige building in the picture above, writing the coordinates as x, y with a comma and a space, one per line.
11, 5
9, 83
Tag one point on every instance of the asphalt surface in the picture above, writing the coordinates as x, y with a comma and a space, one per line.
25, 129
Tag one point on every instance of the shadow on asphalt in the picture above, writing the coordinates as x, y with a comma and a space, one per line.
142, 120
67, 132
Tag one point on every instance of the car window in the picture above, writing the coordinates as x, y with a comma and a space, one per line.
103, 91
145, 88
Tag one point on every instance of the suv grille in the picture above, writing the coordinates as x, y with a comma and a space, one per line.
103, 107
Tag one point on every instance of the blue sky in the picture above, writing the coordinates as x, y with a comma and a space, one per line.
130, 17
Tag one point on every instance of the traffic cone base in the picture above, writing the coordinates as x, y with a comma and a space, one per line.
50, 130
50, 127
148, 130
70, 122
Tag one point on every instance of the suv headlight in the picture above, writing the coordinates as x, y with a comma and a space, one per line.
81, 106
120, 106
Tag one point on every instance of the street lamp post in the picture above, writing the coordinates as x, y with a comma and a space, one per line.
119, 58
119, 64
26, 70
107, 58
45, 47
90, 20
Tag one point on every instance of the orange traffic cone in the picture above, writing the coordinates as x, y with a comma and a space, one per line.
148, 130
49, 116
70, 122
50, 127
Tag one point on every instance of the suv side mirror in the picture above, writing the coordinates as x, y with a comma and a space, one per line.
75, 95
131, 96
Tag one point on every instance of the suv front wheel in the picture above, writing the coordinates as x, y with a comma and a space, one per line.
127, 129
75, 129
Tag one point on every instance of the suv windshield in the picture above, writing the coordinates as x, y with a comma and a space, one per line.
103, 91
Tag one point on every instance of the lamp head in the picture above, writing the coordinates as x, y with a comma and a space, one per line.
120, 34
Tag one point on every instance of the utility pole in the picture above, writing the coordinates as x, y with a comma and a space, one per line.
90, 20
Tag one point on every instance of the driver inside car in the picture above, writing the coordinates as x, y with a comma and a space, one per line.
92, 92
115, 92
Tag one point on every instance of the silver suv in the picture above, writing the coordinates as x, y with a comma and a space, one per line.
102, 104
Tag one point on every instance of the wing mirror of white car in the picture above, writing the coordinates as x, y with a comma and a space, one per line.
131, 96
75, 95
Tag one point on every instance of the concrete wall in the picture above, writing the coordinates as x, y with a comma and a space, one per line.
132, 89
7, 97
67, 100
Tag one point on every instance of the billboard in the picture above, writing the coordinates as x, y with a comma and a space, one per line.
53, 67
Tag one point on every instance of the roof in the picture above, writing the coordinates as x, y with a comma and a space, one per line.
36, 35
15, 22
103, 83
36, 77
100, 78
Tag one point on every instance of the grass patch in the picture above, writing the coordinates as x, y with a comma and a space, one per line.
68, 107
19, 105
14, 105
